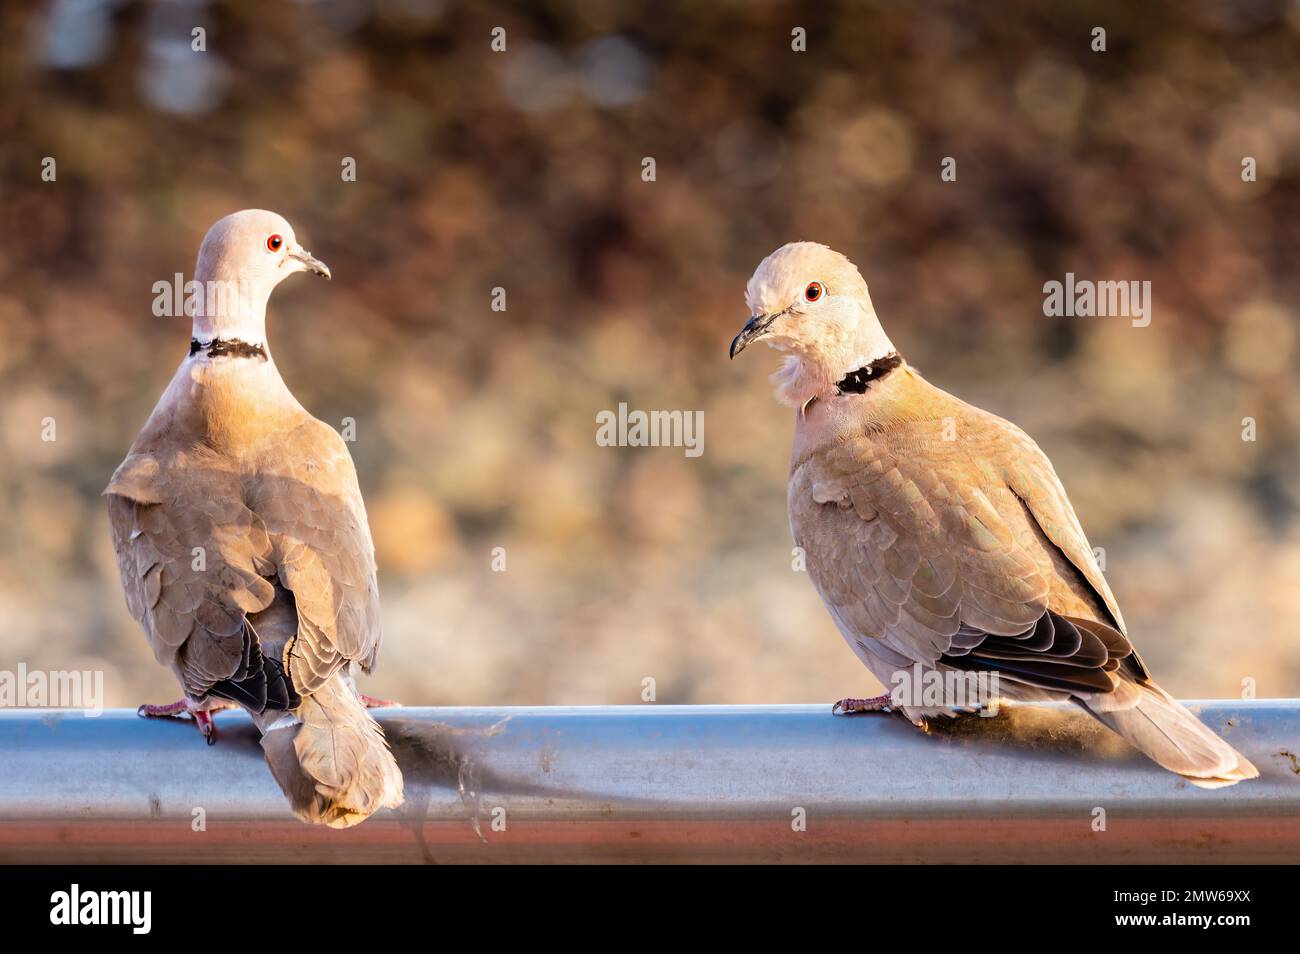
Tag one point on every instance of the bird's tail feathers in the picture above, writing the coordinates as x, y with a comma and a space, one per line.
333, 763
1166, 732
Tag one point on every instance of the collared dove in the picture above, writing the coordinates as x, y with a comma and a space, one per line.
243, 546
938, 534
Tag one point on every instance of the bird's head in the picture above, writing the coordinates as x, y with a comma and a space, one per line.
810, 301
242, 258
255, 246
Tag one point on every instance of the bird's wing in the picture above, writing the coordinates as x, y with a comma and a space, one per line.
194, 561
308, 497
924, 553
1029, 474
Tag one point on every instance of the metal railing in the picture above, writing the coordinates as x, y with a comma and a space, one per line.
657, 783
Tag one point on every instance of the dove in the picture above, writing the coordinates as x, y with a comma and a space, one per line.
938, 535
243, 546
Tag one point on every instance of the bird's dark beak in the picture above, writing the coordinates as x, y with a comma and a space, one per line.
309, 261
754, 328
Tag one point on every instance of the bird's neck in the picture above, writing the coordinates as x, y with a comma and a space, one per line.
860, 379
843, 349
899, 395
228, 348
850, 369
229, 310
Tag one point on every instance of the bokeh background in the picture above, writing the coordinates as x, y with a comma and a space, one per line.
522, 169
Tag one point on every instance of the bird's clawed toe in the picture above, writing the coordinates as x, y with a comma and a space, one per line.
184, 709
207, 725
173, 710
852, 706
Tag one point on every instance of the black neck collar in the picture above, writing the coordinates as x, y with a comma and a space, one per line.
227, 348
856, 382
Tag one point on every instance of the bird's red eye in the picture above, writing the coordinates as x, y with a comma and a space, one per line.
273, 242
813, 291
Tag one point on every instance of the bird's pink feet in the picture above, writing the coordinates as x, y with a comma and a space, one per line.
874, 704
184, 709
371, 702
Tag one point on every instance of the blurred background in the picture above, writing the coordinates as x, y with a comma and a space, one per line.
522, 169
